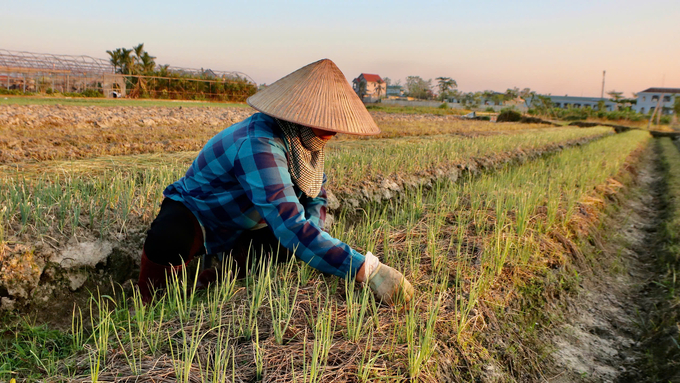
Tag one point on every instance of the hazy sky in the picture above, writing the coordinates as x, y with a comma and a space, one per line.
550, 46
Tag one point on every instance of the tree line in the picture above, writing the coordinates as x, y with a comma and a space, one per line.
145, 79
445, 90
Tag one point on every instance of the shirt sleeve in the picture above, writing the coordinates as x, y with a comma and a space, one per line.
315, 208
261, 168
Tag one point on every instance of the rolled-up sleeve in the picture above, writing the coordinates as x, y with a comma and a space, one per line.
261, 168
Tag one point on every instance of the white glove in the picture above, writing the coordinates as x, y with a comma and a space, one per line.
388, 284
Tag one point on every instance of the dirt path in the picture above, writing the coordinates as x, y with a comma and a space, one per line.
603, 339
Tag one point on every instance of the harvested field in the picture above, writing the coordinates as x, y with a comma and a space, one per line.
115, 102
53, 132
50, 132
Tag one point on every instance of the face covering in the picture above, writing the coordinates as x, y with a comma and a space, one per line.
305, 156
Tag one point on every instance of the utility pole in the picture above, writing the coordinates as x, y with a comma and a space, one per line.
656, 113
603, 73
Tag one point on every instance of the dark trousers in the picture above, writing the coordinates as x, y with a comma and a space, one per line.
175, 237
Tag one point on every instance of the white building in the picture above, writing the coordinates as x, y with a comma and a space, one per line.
648, 99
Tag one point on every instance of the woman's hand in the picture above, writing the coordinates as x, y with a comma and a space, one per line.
390, 286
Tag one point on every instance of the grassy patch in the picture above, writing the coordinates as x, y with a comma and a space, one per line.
33, 351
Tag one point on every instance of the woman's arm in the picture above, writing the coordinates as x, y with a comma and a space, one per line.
315, 208
261, 168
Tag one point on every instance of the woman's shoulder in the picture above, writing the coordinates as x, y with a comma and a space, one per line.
257, 130
262, 125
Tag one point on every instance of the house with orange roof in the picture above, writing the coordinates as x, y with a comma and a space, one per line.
369, 87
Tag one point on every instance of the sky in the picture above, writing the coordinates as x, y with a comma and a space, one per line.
552, 47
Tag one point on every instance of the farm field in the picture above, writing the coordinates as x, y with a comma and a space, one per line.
491, 226
109, 191
52, 132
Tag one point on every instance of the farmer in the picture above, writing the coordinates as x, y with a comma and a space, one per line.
255, 191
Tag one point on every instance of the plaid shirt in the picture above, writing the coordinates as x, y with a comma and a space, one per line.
240, 180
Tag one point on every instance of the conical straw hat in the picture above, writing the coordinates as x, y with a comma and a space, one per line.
319, 96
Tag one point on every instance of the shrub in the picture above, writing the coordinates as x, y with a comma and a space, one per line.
490, 109
92, 93
14, 92
579, 114
509, 115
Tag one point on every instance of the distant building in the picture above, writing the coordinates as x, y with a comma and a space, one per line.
650, 98
565, 102
394, 91
375, 87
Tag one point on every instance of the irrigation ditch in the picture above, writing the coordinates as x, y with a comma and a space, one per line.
554, 305
621, 325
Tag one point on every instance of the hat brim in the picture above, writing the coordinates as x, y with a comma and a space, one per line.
318, 96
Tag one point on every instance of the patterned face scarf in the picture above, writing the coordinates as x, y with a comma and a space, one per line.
305, 156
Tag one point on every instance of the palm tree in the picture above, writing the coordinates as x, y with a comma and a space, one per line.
127, 62
116, 57
147, 63
362, 89
139, 51
140, 63
163, 70
445, 84
136, 64
378, 88
617, 97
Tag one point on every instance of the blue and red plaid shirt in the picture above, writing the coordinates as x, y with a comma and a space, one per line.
240, 180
